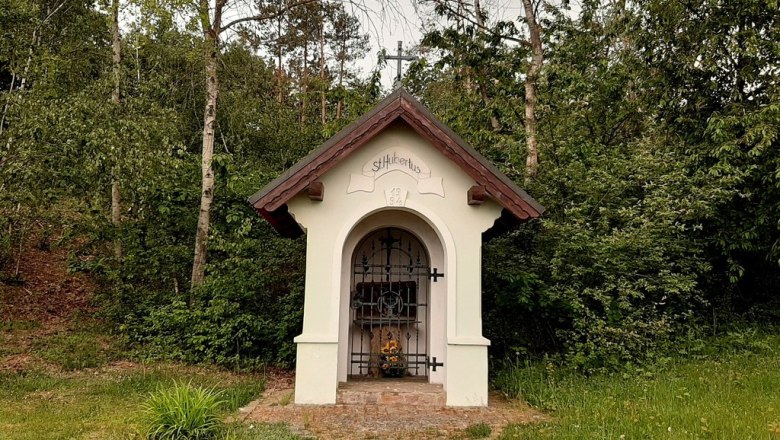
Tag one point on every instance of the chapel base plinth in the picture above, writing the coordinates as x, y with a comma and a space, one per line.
467, 375
315, 374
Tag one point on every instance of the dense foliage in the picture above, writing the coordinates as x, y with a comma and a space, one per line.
658, 165
658, 126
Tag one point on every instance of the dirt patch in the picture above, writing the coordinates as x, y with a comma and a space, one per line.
354, 422
19, 363
122, 366
41, 303
48, 294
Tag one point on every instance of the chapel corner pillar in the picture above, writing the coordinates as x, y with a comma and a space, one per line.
468, 289
467, 349
467, 373
316, 381
316, 375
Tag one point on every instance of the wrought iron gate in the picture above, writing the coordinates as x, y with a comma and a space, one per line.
389, 305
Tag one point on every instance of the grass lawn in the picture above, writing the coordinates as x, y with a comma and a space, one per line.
105, 403
70, 384
730, 395
76, 388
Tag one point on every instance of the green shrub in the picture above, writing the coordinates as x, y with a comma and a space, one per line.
183, 412
245, 315
602, 280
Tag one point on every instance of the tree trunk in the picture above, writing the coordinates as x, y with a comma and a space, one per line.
280, 72
7, 101
486, 100
116, 215
26, 69
323, 103
116, 206
531, 80
305, 84
341, 82
481, 82
137, 63
116, 38
211, 54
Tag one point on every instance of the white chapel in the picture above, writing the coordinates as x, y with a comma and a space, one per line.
395, 208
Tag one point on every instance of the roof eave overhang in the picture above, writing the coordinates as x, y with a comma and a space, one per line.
282, 221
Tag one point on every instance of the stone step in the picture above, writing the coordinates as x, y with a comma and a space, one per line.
391, 392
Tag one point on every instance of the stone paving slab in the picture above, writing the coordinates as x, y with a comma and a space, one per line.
397, 421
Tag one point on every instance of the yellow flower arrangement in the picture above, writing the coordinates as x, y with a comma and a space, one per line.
391, 359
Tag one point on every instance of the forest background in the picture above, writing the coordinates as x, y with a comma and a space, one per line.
648, 129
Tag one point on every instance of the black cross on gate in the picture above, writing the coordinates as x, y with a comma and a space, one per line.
388, 242
435, 275
400, 58
432, 364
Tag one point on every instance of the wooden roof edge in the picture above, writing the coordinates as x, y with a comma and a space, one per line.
333, 140
471, 151
282, 221
274, 196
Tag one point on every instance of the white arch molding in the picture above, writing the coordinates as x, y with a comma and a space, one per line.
439, 293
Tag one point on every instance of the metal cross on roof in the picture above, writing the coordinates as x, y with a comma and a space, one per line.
400, 58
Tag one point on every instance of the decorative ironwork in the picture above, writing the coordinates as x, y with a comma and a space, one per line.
432, 364
435, 275
389, 302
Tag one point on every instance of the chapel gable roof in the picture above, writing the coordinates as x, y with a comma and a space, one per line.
270, 202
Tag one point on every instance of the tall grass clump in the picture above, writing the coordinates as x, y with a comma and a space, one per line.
183, 411
533, 382
478, 430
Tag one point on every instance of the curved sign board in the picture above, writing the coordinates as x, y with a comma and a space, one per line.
396, 159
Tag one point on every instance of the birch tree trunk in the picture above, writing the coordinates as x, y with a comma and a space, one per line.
211, 31
280, 71
116, 203
30, 52
116, 39
531, 81
211, 55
